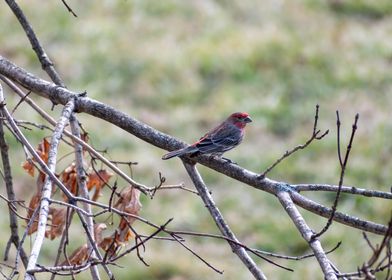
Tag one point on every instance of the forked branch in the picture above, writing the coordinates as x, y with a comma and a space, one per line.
315, 136
343, 165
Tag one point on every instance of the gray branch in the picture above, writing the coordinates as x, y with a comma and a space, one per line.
220, 222
345, 189
47, 188
81, 177
10, 192
307, 233
86, 146
164, 141
46, 63
339, 217
59, 95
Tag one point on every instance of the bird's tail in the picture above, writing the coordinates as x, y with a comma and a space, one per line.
180, 152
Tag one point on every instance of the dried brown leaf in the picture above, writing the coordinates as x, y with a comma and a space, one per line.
28, 166
98, 180
58, 219
43, 152
70, 179
111, 244
128, 202
79, 256
34, 203
98, 229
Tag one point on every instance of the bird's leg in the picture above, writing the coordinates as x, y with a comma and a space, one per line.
219, 156
229, 160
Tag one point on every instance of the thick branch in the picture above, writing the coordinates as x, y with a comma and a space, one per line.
86, 146
157, 138
339, 217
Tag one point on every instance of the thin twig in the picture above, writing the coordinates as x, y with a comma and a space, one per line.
343, 189
158, 230
338, 138
368, 241
29, 224
178, 186
196, 255
94, 245
256, 252
63, 245
63, 239
315, 136
81, 177
296, 258
343, 169
10, 193
69, 8
129, 163
386, 243
20, 102
46, 63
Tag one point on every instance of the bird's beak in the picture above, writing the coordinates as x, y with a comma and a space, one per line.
247, 120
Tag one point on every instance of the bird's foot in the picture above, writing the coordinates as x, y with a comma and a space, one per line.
229, 161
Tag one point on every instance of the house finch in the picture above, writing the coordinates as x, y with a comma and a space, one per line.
222, 138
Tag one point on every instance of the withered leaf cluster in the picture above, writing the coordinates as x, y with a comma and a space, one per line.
128, 202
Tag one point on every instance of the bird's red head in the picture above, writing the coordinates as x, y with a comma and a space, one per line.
240, 119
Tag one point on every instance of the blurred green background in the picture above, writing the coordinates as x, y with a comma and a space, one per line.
182, 67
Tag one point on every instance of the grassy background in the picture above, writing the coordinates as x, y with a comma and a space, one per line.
183, 66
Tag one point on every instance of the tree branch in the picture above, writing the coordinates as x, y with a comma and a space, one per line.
10, 192
86, 146
46, 63
81, 177
220, 222
164, 141
307, 233
47, 188
159, 139
343, 166
339, 217
344, 189
315, 136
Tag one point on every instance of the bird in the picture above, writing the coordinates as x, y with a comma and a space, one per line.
218, 140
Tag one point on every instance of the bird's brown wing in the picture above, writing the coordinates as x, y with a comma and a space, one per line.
221, 141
